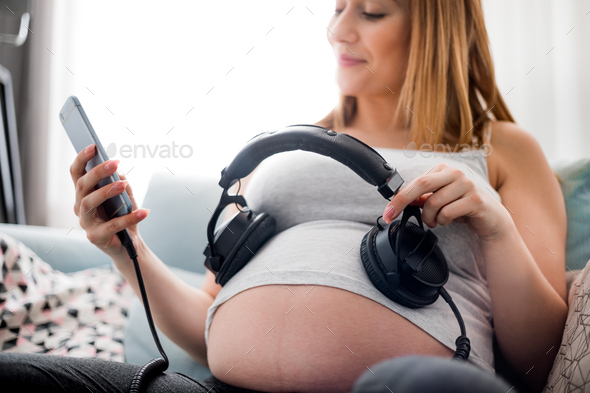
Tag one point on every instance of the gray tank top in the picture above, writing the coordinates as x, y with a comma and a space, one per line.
322, 211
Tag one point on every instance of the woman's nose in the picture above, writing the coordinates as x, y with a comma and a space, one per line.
343, 28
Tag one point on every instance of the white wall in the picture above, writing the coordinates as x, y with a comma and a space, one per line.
553, 100
218, 73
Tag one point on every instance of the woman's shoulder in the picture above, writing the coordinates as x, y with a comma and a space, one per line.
508, 135
512, 146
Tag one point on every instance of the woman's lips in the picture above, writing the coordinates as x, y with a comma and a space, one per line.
344, 62
347, 61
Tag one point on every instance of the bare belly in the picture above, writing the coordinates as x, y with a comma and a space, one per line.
306, 338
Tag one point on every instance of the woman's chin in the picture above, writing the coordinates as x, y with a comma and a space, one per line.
351, 87
351, 90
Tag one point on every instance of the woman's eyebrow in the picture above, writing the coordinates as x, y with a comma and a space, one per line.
382, 2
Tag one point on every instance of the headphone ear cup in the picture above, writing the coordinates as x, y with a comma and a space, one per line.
376, 278
411, 292
259, 235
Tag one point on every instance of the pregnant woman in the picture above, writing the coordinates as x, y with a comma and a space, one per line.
417, 85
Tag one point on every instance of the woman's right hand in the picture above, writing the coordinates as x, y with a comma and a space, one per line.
101, 231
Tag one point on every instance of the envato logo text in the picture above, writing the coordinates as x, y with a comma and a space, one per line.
143, 151
463, 150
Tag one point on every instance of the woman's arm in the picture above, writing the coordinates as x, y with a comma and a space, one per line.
178, 309
525, 265
529, 315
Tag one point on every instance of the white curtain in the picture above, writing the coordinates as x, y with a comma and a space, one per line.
211, 75
541, 50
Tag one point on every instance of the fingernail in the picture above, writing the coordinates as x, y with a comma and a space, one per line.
142, 213
121, 185
389, 211
89, 149
111, 165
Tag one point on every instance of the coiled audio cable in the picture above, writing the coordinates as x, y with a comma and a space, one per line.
462, 342
156, 366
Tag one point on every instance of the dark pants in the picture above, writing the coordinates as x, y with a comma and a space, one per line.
27, 372
408, 374
425, 374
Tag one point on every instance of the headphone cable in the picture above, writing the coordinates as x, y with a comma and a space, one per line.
156, 366
462, 342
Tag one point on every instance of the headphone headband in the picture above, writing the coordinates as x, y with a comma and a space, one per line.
361, 158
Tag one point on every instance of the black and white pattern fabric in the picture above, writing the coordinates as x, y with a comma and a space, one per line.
43, 310
571, 368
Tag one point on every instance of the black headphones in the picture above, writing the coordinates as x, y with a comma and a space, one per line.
412, 277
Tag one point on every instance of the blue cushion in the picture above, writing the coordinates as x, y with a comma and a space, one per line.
176, 229
575, 186
65, 250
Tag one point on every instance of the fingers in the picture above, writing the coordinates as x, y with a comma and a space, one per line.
454, 211
415, 189
86, 184
103, 232
129, 191
78, 167
420, 200
438, 177
435, 202
96, 198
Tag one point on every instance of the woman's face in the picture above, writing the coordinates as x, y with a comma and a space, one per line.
382, 42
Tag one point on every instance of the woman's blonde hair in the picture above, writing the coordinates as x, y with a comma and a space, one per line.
449, 93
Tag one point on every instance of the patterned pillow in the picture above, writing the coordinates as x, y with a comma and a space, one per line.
43, 310
571, 368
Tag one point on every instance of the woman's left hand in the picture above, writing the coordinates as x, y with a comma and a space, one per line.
447, 194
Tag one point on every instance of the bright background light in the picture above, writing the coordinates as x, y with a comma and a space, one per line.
206, 74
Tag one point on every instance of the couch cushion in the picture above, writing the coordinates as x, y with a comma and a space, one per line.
571, 368
576, 191
140, 347
66, 250
176, 229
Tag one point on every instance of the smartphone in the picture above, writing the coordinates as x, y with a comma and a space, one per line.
78, 127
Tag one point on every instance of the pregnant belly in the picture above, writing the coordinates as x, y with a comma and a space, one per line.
307, 338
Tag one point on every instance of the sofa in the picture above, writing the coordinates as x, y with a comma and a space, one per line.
176, 231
